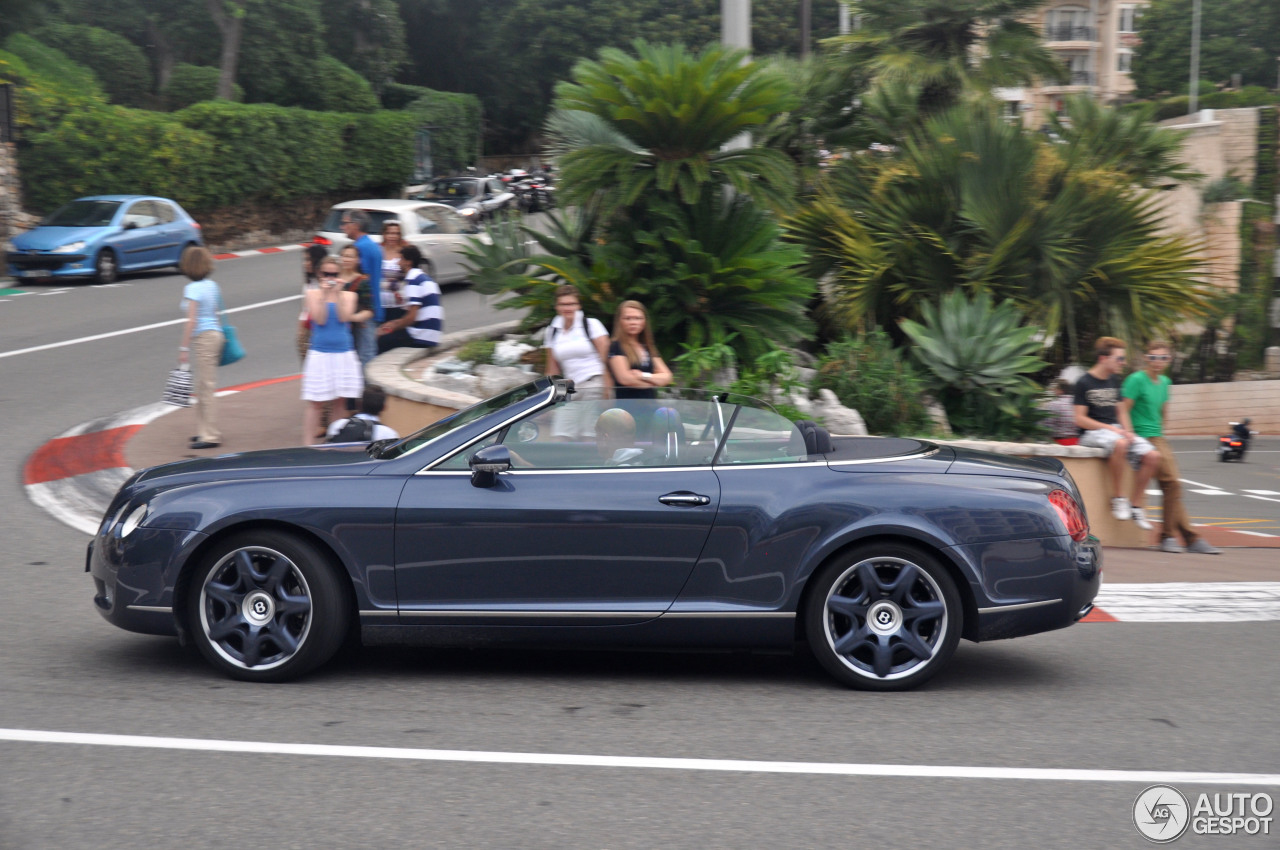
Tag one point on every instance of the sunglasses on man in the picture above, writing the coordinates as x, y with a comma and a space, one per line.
1159, 358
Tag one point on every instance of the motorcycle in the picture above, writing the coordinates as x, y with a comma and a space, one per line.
1234, 445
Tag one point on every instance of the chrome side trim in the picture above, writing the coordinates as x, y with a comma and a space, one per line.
725, 467
458, 612
379, 613
916, 456
685, 615
596, 471
151, 609
999, 609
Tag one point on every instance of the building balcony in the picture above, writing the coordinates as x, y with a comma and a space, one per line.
1067, 34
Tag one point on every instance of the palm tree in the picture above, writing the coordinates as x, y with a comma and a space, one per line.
1126, 141
672, 114
947, 47
972, 202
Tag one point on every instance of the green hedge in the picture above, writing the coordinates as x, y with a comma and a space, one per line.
337, 88
1175, 107
454, 121
216, 154
49, 85
190, 84
119, 65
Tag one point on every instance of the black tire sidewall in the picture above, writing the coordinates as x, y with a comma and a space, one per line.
815, 615
330, 617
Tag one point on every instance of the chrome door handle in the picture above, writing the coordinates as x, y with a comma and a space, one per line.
685, 499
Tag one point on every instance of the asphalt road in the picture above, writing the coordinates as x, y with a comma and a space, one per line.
1096, 697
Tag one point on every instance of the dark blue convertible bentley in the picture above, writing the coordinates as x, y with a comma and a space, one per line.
698, 521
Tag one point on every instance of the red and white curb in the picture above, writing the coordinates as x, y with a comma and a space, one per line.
279, 249
73, 476
1188, 602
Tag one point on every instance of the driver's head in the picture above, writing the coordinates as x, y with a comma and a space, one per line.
615, 429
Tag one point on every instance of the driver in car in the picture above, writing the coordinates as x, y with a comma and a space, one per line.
616, 438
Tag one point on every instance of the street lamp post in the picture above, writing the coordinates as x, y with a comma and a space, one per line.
1193, 104
735, 23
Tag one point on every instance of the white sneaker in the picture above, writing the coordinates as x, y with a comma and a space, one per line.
1204, 547
1171, 546
1120, 508
1140, 519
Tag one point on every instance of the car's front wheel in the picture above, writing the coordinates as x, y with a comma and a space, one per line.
266, 606
106, 268
886, 617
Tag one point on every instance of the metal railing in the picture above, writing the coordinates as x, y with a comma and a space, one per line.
1067, 32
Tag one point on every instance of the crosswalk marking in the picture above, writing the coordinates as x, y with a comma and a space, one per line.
1191, 602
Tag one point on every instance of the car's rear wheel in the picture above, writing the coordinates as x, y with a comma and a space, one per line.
106, 268
266, 606
886, 617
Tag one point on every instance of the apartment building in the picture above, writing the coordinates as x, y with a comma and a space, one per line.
1096, 40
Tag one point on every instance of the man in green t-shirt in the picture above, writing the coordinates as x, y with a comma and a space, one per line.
1145, 396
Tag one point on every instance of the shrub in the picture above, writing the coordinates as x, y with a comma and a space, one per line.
868, 374
337, 88
400, 95
478, 351
454, 122
119, 65
50, 85
190, 84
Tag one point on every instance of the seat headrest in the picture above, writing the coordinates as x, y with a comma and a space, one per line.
817, 440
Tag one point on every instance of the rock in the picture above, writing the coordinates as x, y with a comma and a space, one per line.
492, 380
452, 366
464, 384
509, 352
839, 419
938, 414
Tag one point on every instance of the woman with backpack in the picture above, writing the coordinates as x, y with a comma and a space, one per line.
578, 349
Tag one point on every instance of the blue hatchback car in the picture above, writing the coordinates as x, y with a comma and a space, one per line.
104, 235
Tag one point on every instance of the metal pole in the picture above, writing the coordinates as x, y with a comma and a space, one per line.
1093, 47
806, 19
1193, 105
844, 20
735, 23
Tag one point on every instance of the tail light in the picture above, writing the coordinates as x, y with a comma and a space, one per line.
1070, 513
321, 240
196, 225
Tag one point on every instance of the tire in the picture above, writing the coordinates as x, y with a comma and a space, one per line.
885, 617
267, 606
106, 267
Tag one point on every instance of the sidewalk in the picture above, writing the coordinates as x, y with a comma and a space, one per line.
92, 460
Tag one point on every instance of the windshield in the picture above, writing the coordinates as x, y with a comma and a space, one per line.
83, 214
463, 417
460, 188
333, 224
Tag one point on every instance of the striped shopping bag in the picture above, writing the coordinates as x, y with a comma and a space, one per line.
177, 390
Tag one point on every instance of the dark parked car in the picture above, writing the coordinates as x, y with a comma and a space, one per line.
103, 236
702, 521
478, 197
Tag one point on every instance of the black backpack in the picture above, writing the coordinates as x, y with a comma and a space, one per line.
356, 430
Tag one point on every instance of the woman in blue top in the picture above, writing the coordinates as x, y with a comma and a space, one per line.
201, 301
331, 371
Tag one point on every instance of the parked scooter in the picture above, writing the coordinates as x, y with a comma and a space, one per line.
1233, 446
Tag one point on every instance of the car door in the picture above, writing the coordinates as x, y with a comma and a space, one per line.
136, 244
434, 241
170, 233
571, 534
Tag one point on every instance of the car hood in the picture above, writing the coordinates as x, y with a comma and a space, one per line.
453, 201
284, 463
48, 238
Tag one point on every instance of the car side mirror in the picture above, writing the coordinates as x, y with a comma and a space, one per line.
487, 463
130, 225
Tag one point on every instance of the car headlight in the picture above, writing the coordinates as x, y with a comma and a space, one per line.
133, 519
69, 247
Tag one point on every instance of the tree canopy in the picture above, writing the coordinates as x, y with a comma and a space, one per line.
1236, 37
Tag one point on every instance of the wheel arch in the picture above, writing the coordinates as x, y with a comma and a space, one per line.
198, 554
968, 603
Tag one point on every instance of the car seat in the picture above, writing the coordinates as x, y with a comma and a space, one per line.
817, 440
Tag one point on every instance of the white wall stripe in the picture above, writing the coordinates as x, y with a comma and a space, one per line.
641, 762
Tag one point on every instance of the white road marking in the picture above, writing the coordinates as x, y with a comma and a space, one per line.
1262, 492
1198, 484
1211, 492
1191, 602
1263, 498
141, 328
1250, 533
642, 762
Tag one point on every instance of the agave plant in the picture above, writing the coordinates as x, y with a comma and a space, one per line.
978, 358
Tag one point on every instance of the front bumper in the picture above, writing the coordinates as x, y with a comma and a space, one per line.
24, 264
134, 577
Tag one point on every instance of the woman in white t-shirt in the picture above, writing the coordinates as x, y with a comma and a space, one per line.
578, 349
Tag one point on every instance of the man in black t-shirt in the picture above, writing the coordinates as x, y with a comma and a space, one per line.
1104, 424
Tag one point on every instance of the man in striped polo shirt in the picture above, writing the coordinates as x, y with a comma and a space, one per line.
423, 321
